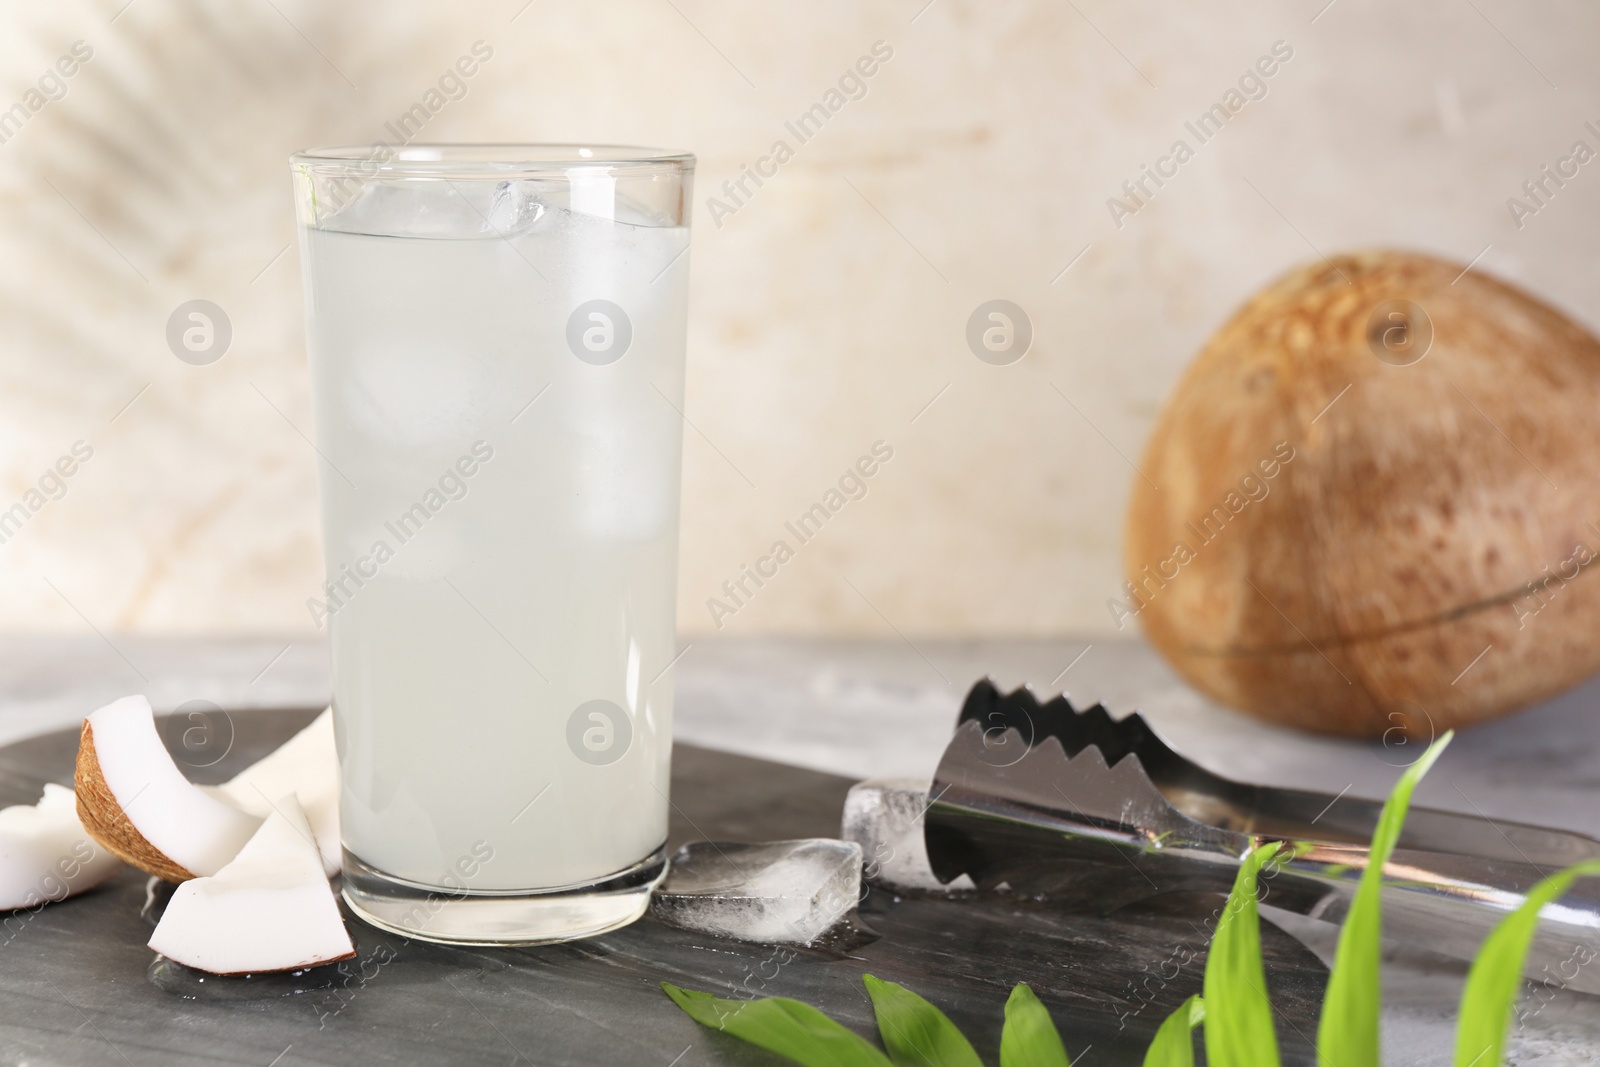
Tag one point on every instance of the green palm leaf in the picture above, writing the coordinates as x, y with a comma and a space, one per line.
1347, 1033
1238, 1014
1496, 974
788, 1027
1174, 1042
916, 1033
1030, 1039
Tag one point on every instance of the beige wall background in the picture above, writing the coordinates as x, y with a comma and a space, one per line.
829, 310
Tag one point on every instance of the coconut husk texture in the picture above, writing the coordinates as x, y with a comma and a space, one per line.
102, 816
1344, 525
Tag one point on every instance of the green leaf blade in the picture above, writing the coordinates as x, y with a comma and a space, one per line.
1239, 1029
1174, 1042
916, 1033
1029, 1038
787, 1027
1347, 1032
1496, 975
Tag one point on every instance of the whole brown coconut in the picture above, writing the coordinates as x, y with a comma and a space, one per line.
1353, 527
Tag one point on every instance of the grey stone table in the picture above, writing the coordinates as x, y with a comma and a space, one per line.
863, 709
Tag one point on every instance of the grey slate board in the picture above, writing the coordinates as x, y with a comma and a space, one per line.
74, 986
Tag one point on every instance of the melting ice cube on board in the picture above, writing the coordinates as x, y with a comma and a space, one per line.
782, 892
884, 816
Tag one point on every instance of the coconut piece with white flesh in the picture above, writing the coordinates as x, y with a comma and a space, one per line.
270, 909
46, 854
136, 803
306, 765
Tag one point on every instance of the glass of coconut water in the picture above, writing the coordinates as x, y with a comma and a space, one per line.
496, 338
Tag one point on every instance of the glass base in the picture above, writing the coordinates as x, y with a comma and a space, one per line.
501, 917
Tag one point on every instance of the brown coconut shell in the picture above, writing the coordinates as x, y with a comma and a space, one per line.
1420, 562
105, 820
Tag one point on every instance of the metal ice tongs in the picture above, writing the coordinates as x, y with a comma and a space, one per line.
1083, 808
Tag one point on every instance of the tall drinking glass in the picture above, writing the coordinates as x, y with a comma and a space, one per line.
496, 338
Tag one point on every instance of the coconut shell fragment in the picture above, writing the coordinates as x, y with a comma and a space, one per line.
109, 825
134, 801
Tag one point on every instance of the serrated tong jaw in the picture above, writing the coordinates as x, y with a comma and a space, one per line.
1095, 813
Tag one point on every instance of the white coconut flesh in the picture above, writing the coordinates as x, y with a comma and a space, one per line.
194, 829
46, 854
306, 765
270, 909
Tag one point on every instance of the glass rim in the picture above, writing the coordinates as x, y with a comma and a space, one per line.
485, 158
